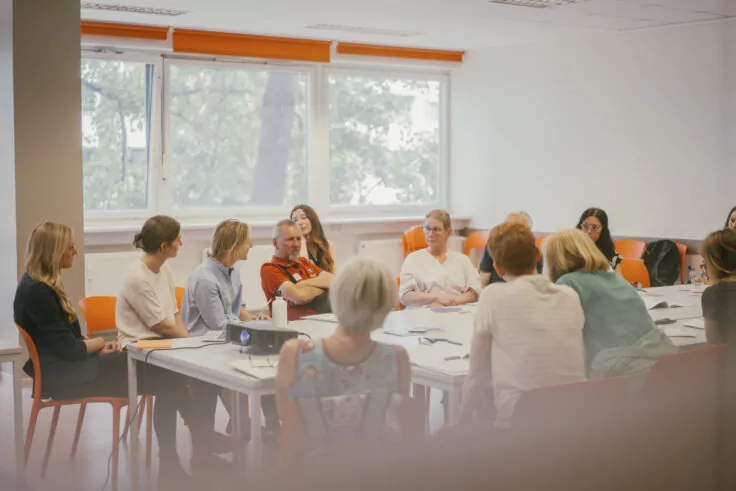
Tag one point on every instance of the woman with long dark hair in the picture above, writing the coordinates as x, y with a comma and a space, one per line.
594, 222
315, 246
731, 219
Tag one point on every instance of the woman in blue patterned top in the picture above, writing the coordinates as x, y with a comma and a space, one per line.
348, 362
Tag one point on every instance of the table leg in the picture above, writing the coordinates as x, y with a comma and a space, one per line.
419, 394
20, 468
455, 396
238, 429
255, 451
133, 422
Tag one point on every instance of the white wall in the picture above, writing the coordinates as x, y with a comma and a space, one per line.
630, 122
8, 333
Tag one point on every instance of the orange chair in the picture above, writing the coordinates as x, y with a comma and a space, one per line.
413, 240
682, 249
630, 249
476, 240
40, 403
398, 285
294, 440
179, 292
99, 315
634, 271
539, 241
570, 404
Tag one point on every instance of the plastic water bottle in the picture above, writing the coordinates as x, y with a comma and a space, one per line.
279, 311
691, 274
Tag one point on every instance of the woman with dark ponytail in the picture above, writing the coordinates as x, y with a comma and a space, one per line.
594, 222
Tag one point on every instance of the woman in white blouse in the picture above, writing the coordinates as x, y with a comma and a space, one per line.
436, 277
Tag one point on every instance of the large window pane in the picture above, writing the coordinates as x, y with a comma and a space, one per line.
116, 110
384, 140
238, 137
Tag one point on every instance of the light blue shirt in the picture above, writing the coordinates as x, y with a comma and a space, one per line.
213, 295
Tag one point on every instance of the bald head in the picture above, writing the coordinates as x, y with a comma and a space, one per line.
521, 217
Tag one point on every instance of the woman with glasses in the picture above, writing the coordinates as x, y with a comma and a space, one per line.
435, 276
594, 222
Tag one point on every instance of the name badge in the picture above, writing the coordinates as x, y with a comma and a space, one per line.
297, 277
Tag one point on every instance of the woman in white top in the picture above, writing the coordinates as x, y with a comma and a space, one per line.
147, 308
434, 276
528, 331
315, 245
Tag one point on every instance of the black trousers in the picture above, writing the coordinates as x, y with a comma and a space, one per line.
171, 390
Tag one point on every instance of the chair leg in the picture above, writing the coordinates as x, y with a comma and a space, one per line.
31, 429
115, 445
50, 443
149, 429
141, 412
126, 425
78, 430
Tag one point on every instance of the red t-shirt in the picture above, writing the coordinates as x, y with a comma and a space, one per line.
272, 277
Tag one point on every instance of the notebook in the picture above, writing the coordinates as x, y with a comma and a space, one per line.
153, 344
262, 367
655, 303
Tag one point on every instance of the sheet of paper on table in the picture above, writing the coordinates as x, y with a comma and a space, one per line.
695, 323
262, 367
435, 358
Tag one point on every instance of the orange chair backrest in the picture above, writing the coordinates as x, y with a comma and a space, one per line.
179, 297
570, 404
634, 271
539, 241
398, 286
33, 354
630, 249
99, 313
476, 240
413, 240
682, 249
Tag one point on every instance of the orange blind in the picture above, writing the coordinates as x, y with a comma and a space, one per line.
399, 52
226, 44
124, 30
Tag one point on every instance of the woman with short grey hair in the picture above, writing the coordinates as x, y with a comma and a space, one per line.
348, 362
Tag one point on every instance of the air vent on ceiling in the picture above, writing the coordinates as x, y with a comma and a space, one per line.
133, 10
364, 30
539, 4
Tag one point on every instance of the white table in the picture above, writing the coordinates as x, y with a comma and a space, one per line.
685, 295
14, 355
209, 364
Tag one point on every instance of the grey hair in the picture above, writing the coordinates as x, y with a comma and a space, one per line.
362, 294
280, 227
527, 217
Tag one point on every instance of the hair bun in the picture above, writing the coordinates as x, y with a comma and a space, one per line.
138, 240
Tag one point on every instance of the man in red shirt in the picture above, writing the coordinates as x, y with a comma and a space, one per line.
301, 283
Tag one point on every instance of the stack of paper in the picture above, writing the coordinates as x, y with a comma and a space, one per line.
263, 367
695, 323
446, 358
678, 332
322, 317
657, 303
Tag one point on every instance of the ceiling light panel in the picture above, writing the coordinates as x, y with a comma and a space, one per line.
133, 10
538, 4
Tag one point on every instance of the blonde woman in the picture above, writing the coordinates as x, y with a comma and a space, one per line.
436, 276
214, 292
73, 366
620, 337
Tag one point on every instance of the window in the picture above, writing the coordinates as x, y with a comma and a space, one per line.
238, 137
201, 138
384, 140
116, 117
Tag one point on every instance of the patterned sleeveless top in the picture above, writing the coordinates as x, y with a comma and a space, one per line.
318, 376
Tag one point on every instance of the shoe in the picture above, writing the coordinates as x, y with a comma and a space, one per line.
210, 463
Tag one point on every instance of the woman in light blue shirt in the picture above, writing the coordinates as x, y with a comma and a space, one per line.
619, 334
214, 292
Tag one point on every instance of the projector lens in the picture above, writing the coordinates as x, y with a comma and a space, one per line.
244, 337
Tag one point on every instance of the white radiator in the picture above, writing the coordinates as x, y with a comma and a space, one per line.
105, 272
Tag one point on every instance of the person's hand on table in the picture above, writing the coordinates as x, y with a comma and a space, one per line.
262, 317
445, 300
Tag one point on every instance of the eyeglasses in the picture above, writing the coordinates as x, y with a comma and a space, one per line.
266, 362
435, 230
594, 228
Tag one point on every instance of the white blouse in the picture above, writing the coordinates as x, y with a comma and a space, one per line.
422, 272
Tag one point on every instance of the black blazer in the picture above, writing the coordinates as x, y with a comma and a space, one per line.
60, 345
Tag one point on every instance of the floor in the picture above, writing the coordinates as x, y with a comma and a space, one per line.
89, 470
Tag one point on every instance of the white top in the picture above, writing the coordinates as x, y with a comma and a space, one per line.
422, 272
145, 299
537, 330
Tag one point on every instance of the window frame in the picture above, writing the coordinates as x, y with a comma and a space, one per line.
100, 217
318, 139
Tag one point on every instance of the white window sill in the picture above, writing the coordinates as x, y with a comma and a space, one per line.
122, 234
